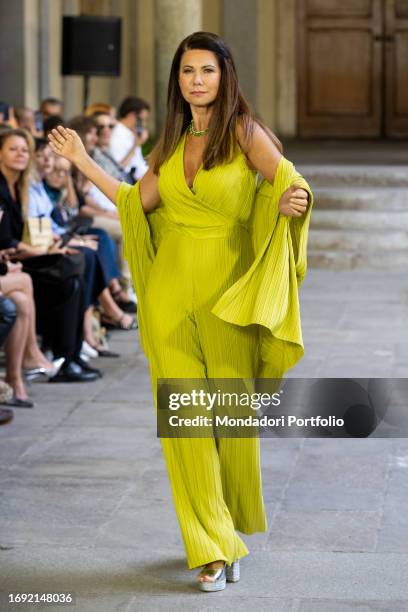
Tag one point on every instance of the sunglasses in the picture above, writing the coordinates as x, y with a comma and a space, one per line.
102, 127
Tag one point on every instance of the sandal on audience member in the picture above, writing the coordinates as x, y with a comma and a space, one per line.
125, 305
18, 403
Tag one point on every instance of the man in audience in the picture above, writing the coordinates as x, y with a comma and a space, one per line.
26, 119
129, 134
51, 106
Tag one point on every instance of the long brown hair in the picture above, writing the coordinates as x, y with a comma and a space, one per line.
23, 180
230, 107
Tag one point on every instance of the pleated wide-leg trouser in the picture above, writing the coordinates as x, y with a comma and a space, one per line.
216, 482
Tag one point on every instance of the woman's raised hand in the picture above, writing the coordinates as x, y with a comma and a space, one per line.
67, 143
293, 202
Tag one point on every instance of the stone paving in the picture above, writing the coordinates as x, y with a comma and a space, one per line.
86, 505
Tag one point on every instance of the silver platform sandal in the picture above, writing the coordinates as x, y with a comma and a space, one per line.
219, 579
232, 572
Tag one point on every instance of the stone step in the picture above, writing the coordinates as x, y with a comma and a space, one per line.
357, 240
396, 261
345, 175
361, 198
358, 219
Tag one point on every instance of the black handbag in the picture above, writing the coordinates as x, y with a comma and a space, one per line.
55, 267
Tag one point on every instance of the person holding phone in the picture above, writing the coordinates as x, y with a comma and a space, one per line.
129, 134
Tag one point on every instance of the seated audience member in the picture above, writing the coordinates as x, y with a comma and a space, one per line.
39, 202
101, 154
128, 135
50, 107
59, 302
21, 347
26, 120
90, 197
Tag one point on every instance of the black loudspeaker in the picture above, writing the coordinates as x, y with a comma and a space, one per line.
91, 45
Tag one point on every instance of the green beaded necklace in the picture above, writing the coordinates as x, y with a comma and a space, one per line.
192, 131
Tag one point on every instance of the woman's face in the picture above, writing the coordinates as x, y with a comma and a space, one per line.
199, 77
104, 129
45, 160
59, 175
15, 154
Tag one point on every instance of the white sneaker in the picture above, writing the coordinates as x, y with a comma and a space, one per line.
88, 350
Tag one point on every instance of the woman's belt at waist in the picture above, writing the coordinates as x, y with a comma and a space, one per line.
210, 231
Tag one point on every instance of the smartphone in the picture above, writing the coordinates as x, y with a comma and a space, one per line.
38, 121
139, 127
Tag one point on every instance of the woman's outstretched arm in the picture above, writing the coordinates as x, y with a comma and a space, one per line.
67, 143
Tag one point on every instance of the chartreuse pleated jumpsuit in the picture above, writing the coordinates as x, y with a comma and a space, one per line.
216, 270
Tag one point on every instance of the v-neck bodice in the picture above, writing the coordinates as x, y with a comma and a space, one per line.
183, 147
222, 195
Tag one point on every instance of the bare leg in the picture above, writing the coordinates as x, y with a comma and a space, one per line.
117, 292
20, 281
33, 357
15, 344
88, 331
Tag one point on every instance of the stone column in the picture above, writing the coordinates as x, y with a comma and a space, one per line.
50, 39
266, 65
143, 57
240, 33
19, 52
286, 120
175, 19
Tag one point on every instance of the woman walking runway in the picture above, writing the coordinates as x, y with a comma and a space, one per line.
216, 260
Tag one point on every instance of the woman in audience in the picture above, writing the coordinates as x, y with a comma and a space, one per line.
101, 154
